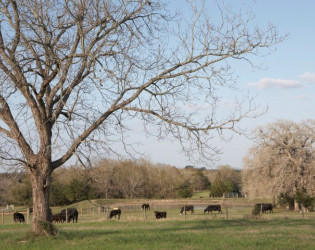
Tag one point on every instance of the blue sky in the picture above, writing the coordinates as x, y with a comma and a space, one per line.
287, 82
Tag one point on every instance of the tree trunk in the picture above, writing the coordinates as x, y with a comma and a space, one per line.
274, 200
41, 180
296, 206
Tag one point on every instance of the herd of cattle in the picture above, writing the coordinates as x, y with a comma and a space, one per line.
73, 214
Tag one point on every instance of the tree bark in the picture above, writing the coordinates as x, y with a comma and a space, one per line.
296, 206
41, 180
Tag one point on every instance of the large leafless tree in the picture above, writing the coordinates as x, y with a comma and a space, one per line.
282, 160
73, 73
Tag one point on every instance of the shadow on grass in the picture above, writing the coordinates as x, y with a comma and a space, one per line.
80, 234
166, 227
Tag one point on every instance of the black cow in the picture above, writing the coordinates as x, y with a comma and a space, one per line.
115, 212
73, 214
145, 207
264, 207
58, 218
187, 208
160, 215
18, 217
211, 208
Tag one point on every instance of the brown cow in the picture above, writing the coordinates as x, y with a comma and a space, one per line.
58, 218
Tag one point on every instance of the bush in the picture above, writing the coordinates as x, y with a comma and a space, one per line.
22, 193
284, 200
58, 194
78, 190
256, 210
185, 190
302, 198
218, 188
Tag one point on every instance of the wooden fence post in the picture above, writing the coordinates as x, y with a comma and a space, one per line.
227, 212
145, 214
107, 213
67, 215
2, 216
28, 215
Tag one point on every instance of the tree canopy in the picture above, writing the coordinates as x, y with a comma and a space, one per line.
282, 161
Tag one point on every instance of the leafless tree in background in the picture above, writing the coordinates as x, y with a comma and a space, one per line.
73, 73
282, 161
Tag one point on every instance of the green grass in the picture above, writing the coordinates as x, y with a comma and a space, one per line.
280, 230
201, 233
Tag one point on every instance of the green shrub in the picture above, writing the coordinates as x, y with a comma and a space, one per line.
256, 210
284, 200
185, 190
219, 187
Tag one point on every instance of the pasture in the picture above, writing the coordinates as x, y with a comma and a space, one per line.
280, 230
168, 234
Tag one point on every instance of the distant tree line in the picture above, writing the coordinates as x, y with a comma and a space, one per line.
125, 179
280, 166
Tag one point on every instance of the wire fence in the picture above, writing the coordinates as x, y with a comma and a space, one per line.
129, 212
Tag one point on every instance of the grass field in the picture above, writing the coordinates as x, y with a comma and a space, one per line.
280, 230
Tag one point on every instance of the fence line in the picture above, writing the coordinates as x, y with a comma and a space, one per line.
230, 210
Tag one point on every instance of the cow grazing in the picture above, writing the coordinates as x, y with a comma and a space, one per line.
18, 217
264, 207
58, 218
115, 212
73, 214
145, 207
187, 208
211, 208
160, 215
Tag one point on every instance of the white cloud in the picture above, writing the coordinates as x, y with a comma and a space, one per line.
308, 77
194, 106
229, 103
206, 106
300, 97
266, 83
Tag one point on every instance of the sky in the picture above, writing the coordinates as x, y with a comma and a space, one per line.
286, 82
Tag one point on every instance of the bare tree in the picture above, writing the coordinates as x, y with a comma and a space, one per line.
129, 179
282, 161
102, 175
75, 72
